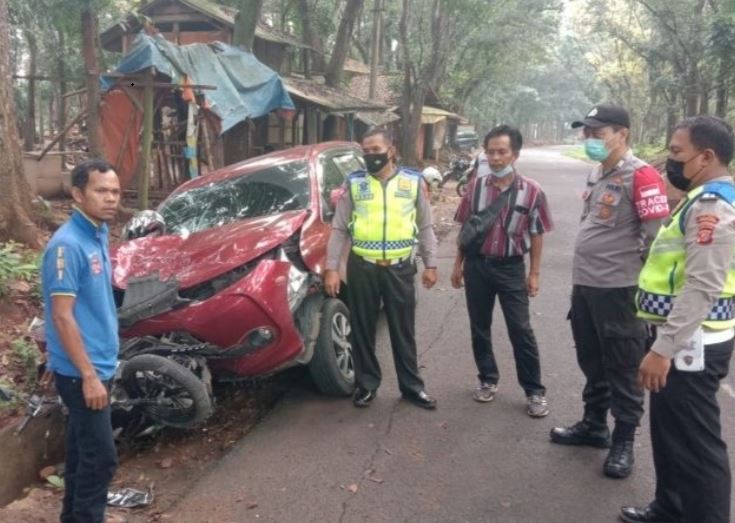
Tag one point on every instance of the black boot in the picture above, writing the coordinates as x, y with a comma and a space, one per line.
620, 460
582, 433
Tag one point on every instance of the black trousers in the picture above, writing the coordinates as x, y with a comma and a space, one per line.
91, 457
690, 458
485, 279
610, 342
368, 284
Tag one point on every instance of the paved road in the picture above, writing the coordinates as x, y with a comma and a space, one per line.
465, 462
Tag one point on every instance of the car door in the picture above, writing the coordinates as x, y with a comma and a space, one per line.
333, 167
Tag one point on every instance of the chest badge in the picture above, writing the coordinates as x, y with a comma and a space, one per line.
95, 264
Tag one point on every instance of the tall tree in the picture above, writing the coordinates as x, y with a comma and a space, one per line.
341, 48
245, 23
15, 200
419, 73
90, 28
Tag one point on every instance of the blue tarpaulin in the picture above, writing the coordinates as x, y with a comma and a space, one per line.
246, 88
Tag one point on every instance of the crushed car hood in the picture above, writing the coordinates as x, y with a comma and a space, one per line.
205, 254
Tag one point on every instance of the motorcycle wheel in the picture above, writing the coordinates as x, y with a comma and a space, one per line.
332, 367
177, 397
462, 188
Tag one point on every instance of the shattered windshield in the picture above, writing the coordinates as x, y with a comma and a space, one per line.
261, 193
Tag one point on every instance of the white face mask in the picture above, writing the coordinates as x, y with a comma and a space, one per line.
502, 173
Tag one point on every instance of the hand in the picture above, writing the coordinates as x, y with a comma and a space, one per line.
332, 282
95, 393
428, 278
457, 276
532, 285
653, 371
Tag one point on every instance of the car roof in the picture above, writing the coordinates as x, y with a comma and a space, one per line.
303, 152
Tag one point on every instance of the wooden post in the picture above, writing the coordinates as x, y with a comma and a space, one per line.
145, 164
207, 144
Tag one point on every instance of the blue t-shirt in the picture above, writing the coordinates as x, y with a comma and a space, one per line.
76, 263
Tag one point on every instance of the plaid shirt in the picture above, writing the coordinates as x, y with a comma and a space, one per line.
528, 215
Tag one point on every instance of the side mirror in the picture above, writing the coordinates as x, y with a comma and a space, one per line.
144, 223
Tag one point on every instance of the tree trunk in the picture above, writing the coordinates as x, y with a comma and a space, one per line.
341, 49
15, 198
29, 128
91, 66
245, 23
307, 35
61, 71
691, 92
415, 86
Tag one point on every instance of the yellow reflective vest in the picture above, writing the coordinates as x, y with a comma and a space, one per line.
383, 225
664, 273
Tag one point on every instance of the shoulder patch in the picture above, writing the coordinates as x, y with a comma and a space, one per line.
410, 172
358, 174
706, 228
708, 197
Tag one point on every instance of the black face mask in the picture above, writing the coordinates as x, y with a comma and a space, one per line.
375, 161
675, 174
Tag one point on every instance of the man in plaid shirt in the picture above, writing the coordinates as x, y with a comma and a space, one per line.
499, 268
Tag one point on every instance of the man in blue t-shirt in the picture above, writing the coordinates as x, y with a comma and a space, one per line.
81, 326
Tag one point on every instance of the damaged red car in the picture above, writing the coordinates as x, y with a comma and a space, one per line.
224, 280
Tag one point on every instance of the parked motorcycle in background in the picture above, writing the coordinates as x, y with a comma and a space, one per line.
459, 170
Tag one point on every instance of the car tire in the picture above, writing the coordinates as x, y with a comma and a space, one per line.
147, 372
332, 367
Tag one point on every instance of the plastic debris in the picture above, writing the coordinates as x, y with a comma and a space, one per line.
129, 498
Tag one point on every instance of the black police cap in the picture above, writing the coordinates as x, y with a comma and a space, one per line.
604, 114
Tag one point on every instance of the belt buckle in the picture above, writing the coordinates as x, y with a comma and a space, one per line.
384, 263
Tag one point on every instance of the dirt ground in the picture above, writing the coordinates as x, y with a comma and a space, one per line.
171, 460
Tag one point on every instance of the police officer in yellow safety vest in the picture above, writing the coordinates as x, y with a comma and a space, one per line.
384, 213
687, 290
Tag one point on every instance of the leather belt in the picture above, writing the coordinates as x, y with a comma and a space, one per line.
385, 263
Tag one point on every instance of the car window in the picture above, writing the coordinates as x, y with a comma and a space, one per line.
348, 163
333, 176
261, 193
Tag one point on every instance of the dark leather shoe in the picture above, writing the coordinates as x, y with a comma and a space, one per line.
620, 460
581, 434
422, 400
643, 515
363, 397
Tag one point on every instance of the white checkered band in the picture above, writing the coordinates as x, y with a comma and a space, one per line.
660, 305
388, 246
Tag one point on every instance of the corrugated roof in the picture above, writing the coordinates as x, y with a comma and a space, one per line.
226, 15
432, 115
330, 98
387, 88
377, 119
221, 13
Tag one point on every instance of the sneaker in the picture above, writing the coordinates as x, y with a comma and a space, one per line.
485, 392
537, 406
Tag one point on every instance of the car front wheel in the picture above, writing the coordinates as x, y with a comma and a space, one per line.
332, 367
